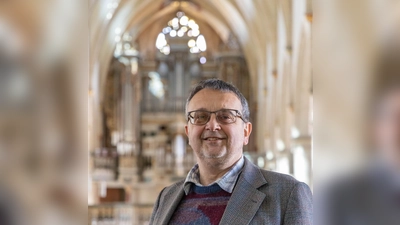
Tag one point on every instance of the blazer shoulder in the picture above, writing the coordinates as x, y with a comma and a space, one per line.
290, 190
173, 187
275, 178
262, 179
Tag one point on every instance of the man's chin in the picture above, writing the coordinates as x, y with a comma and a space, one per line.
213, 156
217, 154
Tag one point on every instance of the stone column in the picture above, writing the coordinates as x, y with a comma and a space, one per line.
302, 158
179, 82
178, 145
129, 143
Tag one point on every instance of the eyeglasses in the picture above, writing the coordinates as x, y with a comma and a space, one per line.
224, 116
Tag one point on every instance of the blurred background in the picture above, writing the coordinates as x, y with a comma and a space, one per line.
43, 112
356, 141
145, 56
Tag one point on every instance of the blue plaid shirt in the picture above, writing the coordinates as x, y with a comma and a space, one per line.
226, 182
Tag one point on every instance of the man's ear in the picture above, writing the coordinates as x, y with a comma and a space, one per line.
247, 131
186, 130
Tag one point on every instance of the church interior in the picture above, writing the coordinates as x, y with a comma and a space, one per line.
92, 96
144, 58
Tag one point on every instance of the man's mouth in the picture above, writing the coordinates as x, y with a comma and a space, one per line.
213, 139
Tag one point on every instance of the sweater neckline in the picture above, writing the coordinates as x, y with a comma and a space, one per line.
206, 189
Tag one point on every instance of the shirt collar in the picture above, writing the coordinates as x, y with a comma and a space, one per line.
226, 182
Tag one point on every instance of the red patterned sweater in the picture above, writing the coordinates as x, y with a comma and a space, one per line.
203, 205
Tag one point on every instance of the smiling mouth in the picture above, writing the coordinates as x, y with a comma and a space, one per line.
213, 139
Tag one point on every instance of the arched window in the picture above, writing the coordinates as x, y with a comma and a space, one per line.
179, 27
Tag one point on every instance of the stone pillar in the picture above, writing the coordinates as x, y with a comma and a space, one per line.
302, 158
178, 145
130, 106
179, 149
179, 82
128, 146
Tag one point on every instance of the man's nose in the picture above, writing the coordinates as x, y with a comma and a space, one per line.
213, 124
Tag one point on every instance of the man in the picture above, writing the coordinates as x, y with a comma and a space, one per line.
224, 187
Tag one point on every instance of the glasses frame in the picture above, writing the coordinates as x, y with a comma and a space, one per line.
238, 114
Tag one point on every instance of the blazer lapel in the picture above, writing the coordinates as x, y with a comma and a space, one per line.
246, 199
169, 203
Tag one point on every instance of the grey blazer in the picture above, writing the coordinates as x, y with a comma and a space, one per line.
259, 197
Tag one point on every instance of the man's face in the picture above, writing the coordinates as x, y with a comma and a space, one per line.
388, 127
216, 143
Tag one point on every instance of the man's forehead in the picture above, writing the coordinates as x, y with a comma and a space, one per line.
213, 100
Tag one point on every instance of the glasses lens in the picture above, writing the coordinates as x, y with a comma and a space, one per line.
226, 116
200, 117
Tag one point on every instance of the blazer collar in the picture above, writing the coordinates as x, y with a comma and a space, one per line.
245, 197
252, 174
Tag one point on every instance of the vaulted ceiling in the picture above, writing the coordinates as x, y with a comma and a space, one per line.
253, 23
